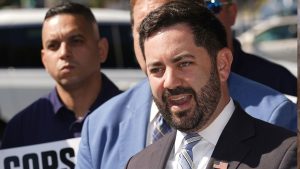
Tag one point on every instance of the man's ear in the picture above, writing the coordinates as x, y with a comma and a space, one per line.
224, 60
233, 10
43, 58
103, 49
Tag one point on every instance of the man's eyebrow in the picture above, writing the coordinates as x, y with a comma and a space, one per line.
175, 59
181, 57
154, 64
76, 35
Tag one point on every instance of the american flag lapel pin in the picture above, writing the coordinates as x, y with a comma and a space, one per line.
220, 165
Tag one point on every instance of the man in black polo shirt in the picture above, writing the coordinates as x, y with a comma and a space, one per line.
248, 65
72, 53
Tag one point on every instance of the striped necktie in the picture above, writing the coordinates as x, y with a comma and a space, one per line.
160, 128
185, 159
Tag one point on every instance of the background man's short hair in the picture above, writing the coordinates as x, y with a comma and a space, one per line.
71, 8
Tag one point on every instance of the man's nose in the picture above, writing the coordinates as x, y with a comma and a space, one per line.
172, 79
64, 50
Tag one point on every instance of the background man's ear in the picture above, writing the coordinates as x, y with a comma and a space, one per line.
44, 60
103, 49
224, 60
233, 10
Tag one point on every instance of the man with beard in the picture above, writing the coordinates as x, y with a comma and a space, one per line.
125, 124
188, 64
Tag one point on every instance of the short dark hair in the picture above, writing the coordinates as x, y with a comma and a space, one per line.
67, 7
207, 29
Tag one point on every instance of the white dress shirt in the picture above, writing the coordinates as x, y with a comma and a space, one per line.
153, 115
203, 150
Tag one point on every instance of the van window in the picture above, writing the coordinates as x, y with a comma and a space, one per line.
121, 54
20, 46
278, 33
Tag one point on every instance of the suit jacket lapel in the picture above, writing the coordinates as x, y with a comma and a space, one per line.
133, 131
230, 147
162, 150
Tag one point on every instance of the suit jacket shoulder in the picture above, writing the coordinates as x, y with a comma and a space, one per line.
247, 142
263, 102
116, 130
155, 155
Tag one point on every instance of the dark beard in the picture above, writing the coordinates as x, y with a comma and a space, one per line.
206, 103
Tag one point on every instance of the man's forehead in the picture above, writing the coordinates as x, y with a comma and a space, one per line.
143, 7
148, 5
150, 2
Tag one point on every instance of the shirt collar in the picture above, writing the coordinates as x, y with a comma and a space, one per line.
109, 89
153, 111
55, 100
214, 130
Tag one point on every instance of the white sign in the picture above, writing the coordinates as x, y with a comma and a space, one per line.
53, 155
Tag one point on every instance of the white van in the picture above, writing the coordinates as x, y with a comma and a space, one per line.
22, 76
274, 39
